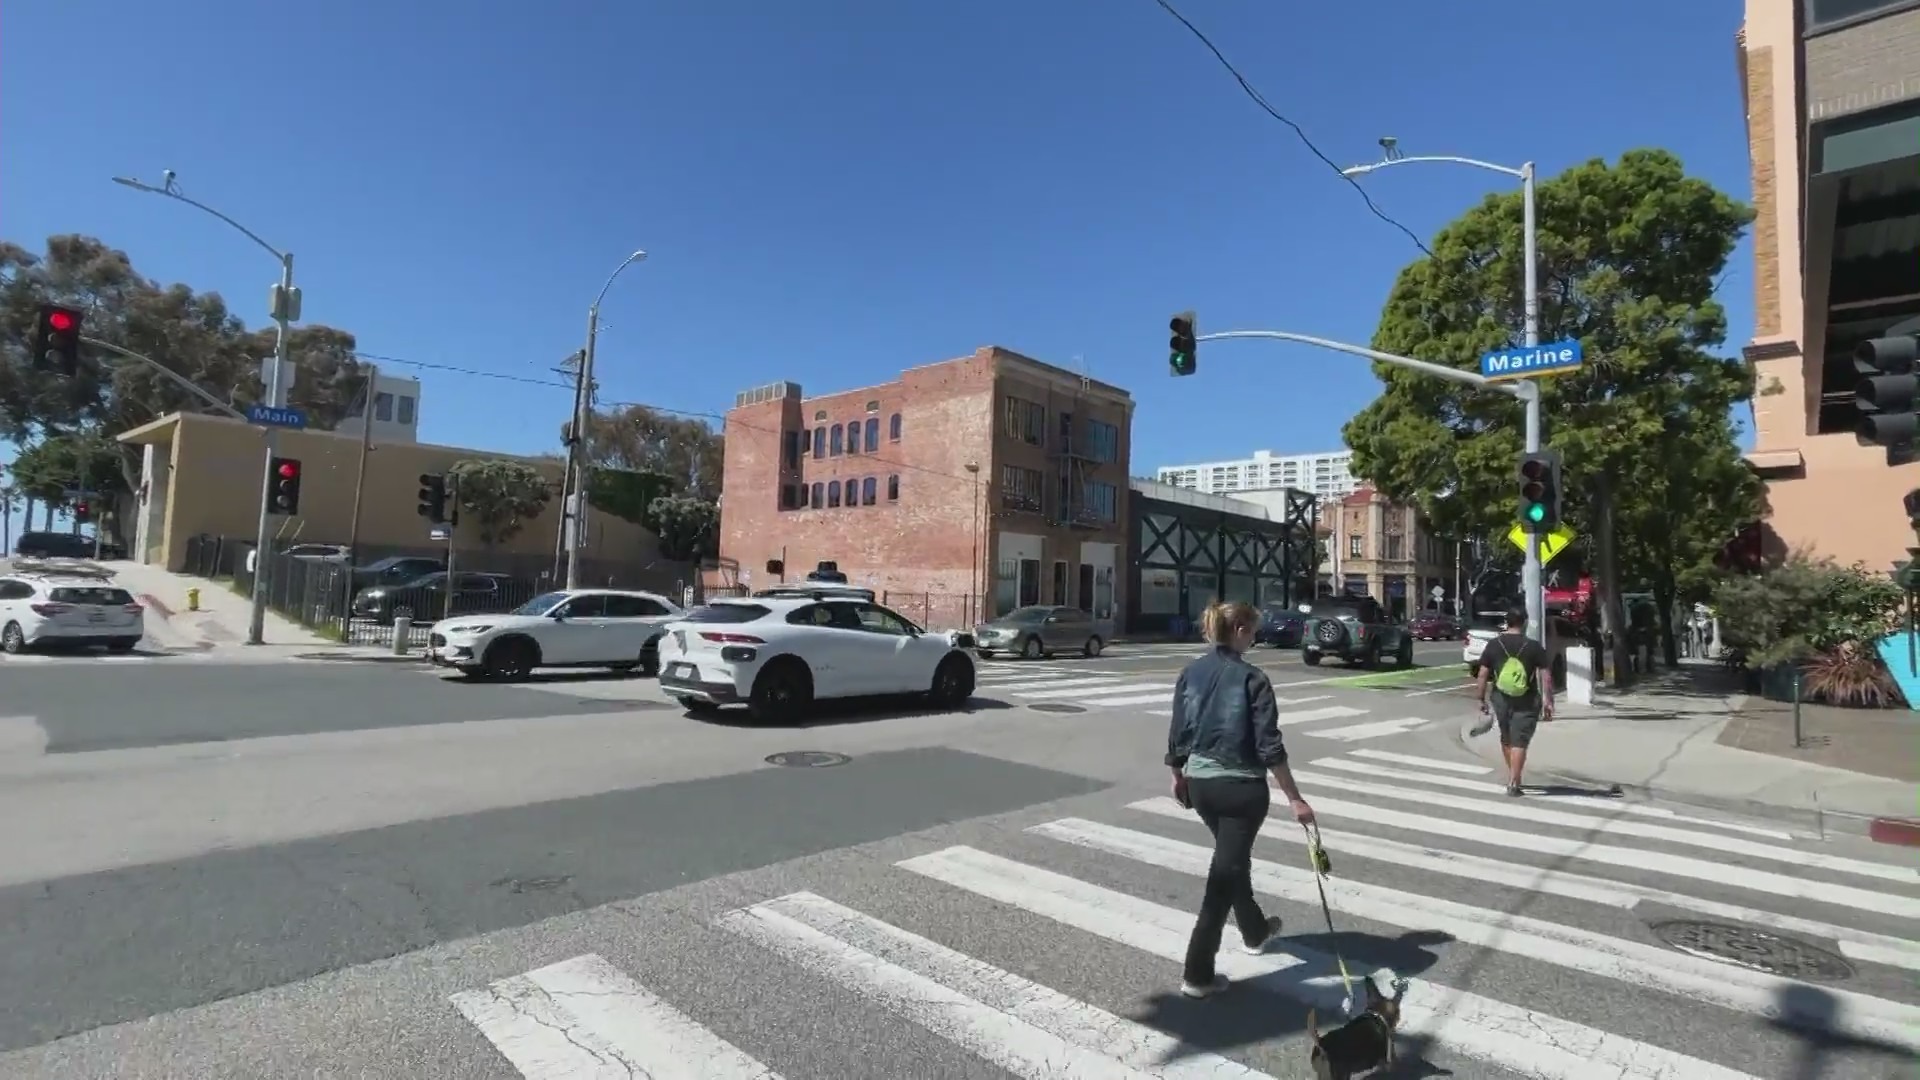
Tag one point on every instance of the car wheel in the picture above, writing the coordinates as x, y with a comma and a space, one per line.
986, 654
696, 705
1093, 647
122, 644
12, 640
1310, 658
1033, 649
952, 682
512, 659
650, 659
1405, 656
782, 693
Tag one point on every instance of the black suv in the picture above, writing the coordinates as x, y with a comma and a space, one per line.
1354, 629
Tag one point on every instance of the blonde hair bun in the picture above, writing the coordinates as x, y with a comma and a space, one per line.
1223, 621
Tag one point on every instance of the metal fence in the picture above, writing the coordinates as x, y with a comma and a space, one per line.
936, 611
319, 594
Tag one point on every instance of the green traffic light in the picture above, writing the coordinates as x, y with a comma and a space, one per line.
1536, 513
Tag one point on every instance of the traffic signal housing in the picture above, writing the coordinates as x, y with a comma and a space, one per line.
433, 498
82, 512
1183, 350
283, 492
56, 340
1888, 394
1540, 491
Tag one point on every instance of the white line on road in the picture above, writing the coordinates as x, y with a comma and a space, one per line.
1435, 690
1373, 729
1018, 1025
1074, 689
582, 1019
1127, 699
1509, 1037
1423, 762
1625, 895
1331, 712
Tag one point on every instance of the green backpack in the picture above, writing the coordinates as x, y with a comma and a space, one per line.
1511, 679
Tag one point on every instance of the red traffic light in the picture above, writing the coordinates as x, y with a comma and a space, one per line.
1534, 469
61, 321
81, 509
288, 470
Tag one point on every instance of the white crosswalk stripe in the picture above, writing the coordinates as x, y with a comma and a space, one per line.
586, 1018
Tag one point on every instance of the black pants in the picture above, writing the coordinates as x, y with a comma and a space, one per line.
1233, 809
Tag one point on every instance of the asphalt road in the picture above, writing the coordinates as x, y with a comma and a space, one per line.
537, 881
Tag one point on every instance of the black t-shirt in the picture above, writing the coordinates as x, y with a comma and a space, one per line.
1529, 652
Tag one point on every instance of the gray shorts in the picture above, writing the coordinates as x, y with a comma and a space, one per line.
1517, 719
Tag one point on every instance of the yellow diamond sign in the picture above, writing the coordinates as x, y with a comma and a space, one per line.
1551, 544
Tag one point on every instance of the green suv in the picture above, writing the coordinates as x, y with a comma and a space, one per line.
1354, 629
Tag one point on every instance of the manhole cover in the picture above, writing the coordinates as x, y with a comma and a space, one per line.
807, 759
1053, 706
1755, 949
532, 884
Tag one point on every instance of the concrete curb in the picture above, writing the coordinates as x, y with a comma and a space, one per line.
1820, 822
362, 658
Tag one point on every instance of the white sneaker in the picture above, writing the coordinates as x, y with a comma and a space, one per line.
1273, 931
1218, 984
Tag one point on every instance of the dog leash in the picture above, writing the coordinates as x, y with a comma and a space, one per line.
1322, 868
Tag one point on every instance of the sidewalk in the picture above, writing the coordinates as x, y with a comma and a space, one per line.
1689, 734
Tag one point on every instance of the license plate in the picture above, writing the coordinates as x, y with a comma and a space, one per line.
680, 671
96, 617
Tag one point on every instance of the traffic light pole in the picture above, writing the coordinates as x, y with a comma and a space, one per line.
1531, 582
276, 397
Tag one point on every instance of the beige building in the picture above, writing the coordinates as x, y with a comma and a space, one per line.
201, 476
1383, 549
1832, 95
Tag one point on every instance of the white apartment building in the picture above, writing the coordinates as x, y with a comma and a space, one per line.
396, 410
1324, 475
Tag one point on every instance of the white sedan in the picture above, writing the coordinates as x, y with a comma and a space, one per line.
778, 654
609, 628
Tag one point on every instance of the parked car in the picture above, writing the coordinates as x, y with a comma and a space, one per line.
778, 654
1434, 626
1561, 633
1354, 629
610, 628
1280, 627
66, 606
395, 570
53, 545
336, 554
1037, 631
424, 599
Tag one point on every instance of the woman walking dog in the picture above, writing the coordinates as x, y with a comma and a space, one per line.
1222, 746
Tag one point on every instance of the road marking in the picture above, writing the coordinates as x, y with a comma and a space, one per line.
1018, 1025
1508, 1037
1331, 712
1646, 967
1610, 805
583, 1019
1128, 699
1741, 877
1625, 895
1074, 689
1537, 813
1371, 730
1437, 690
1423, 762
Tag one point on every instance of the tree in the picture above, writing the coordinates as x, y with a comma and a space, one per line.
500, 496
627, 495
688, 526
635, 438
1629, 256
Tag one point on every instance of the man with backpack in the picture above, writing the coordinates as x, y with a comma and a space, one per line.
1522, 682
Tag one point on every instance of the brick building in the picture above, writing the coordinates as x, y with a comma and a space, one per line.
961, 490
1383, 549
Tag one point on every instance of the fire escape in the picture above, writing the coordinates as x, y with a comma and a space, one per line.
1074, 463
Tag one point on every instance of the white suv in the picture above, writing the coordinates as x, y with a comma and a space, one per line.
610, 628
66, 607
778, 653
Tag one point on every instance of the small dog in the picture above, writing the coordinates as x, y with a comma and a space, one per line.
1362, 1044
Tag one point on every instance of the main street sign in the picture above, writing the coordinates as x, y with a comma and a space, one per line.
1524, 363
1551, 544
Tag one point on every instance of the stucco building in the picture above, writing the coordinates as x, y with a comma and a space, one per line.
961, 489
1832, 95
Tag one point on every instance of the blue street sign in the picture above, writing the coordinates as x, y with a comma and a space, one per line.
1524, 363
268, 416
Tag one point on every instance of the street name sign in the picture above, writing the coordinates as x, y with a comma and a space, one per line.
439, 532
1523, 363
1551, 544
268, 416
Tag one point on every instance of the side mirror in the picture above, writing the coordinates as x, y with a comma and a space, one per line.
558, 615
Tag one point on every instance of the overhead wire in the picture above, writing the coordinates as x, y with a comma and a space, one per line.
1267, 106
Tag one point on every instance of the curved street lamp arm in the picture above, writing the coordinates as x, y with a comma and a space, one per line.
178, 379
630, 260
1449, 159
205, 209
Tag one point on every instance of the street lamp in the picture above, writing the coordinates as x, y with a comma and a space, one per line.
973, 575
582, 411
286, 309
1530, 583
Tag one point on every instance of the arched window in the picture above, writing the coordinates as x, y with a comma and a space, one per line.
819, 493
853, 437
833, 493
833, 441
893, 427
873, 434
819, 443
893, 489
867, 491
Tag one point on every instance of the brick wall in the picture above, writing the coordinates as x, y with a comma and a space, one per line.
1863, 67
1766, 198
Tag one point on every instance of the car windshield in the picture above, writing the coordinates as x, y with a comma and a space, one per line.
540, 605
1339, 608
1279, 614
1027, 615
96, 596
426, 581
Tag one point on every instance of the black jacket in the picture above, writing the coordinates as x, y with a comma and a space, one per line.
1223, 710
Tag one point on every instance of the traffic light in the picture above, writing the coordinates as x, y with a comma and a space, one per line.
1912, 503
433, 498
82, 512
1888, 394
1540, 491
56, 340
1183, 351
285, 490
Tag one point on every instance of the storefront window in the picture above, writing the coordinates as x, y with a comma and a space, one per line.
1159, 592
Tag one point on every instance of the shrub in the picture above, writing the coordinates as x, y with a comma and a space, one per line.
1806, 607
1850, 675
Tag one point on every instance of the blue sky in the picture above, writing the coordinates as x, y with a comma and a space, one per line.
834, 190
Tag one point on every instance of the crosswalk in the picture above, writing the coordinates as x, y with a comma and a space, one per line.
1569, 887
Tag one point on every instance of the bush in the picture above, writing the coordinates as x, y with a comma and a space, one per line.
1806, 607
1851, 675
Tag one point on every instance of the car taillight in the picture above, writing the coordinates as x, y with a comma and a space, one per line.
133, 609
731, 639
50, 609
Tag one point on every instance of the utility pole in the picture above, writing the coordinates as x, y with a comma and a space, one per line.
359, 491
574, 508
572, 365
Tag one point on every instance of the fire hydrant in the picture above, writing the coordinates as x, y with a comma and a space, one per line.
193, 599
